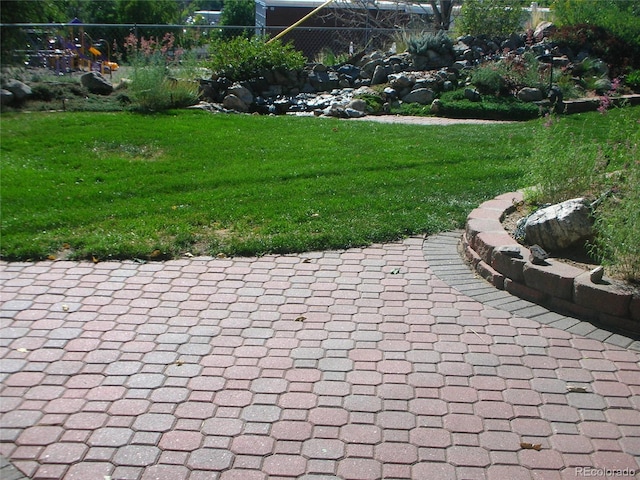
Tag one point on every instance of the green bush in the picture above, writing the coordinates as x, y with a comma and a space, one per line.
241, 59
439, 42
488, 80
493, 18
615, 51
621, 18
454, 104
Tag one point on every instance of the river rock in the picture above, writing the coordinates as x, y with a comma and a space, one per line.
560, 226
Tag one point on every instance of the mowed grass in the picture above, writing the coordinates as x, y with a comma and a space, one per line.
121, 185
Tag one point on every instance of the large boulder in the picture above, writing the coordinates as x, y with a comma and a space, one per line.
243, 93
96, 83
19, 90
529, 94
6, 97
560, 226
423, 96
233, 102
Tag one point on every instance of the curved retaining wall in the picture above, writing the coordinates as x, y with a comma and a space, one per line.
560, 287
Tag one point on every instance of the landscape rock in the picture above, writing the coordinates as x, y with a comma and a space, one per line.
560, 226
423, 96
379, 75
243, 93
528, 94
472, 95
543, 30
233, 102
6, 97
19, 90
96, 83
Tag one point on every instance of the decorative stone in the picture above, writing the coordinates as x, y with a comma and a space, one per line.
538, 255
96, 83
423, 96
560, 226
528, 94
472, 95
6, 97
379, 75
596, 274
232, 102
19, 90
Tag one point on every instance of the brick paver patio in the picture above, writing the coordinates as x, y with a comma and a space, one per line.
358, 364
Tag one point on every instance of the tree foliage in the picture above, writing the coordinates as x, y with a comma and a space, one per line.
621, 18
494, 18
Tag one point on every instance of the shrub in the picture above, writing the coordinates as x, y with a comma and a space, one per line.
632, 79
488, 80
439, 42
241, 59
454, 104
601, 43
494, 18
622, 19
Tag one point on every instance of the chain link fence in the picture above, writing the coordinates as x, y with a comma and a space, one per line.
67, 47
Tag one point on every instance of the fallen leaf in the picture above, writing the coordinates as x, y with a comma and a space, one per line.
66, 246
94, 259
306, 260
300, 319
530, 446
51, 257
22, 350
188, 254
156, 253
65, 308
221, 255
180, 362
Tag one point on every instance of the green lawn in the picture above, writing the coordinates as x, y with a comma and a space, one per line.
121, 185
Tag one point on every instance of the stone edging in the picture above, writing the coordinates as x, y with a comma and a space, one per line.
560, 287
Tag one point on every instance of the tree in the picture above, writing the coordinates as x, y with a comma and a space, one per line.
238, 13
494, 18
144, 11
442, 13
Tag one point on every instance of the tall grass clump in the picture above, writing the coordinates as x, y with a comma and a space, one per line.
161, 79
605, 170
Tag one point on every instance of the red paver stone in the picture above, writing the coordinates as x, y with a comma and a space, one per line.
462, 423
110, 437
323, 449
239, 474
329, 416
468, 456
210, 459
430, 437
365, 434
284, 465
441, 471
252, 445
181, 440
87, 470
65, 453
291, 430
39, 435
388, 452
359, 469
165, 472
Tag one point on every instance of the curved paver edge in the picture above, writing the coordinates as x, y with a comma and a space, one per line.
556, 288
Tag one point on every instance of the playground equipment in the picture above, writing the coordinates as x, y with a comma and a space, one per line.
67, 54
